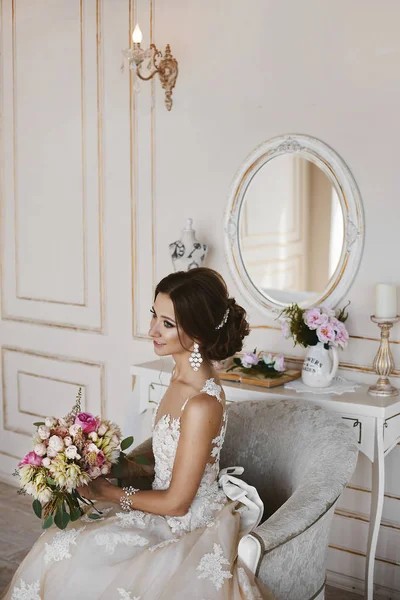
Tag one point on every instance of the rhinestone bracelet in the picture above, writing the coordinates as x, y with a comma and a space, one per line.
125, 501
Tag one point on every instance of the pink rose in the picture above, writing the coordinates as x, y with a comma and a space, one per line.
328, 311
279, 364
313, 318
100, 459
342, 337
326, 333
87, 422
249, 359
31, 459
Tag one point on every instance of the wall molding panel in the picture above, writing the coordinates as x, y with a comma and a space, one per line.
35, 385
52, 250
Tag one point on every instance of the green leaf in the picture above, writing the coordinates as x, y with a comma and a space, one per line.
94, 516
127, 442
62, 518
142, 460
74, 509
74, 513
39, 423
47, 522
37, 508
237, 361
50, 481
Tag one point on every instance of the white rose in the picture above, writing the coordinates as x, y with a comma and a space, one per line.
93, 436
105, 469
56, 443
68, 441
93, 448
73, 430
46, 462
72, 452
102, 429
40, 449
50, 422
44, 432
51, 452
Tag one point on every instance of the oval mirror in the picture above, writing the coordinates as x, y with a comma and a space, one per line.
294, 225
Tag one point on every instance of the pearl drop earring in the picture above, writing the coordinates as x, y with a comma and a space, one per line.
195, 358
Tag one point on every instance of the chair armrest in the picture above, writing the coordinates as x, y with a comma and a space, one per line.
143, 448
299, 513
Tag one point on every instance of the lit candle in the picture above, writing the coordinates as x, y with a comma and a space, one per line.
137, 35
386, 301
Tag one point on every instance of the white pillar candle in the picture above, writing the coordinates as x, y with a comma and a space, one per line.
386, 301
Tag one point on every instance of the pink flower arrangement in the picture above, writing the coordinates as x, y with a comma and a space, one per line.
68, 453
261, 362
307, 327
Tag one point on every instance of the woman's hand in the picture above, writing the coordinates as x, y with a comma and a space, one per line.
98, 489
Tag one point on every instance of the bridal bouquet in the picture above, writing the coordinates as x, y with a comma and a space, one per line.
307, 327
68, 452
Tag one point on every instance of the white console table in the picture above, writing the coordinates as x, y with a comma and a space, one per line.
376, 424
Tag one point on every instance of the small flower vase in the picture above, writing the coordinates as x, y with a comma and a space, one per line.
319, 366
187, 253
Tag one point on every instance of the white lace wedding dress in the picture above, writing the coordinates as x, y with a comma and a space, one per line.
139, 556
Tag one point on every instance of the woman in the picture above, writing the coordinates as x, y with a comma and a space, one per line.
178, 540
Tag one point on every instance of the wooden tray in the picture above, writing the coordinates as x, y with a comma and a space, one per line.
258, 378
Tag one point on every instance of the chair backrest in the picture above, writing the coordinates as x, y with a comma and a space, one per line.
285, 444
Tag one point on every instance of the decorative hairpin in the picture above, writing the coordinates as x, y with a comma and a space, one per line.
224, 319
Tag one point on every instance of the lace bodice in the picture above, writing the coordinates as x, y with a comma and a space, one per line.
209, 497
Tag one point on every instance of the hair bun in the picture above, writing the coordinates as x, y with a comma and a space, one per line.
231, 335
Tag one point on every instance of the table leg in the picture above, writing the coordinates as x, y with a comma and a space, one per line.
377, 497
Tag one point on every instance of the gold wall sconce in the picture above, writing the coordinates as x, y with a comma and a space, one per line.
164, 64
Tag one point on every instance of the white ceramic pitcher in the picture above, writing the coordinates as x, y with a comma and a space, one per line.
318, 366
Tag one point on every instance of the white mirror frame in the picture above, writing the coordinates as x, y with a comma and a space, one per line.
350, 200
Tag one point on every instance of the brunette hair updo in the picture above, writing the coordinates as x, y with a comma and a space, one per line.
200, 298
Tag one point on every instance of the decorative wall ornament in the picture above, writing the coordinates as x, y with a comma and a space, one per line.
165, 65
187, 253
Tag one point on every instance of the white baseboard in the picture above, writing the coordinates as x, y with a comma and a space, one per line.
352, 584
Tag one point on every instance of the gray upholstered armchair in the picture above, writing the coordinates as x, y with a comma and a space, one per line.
299, 457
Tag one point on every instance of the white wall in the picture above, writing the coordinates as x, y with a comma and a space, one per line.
96, 182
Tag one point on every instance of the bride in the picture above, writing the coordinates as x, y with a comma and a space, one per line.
178, 540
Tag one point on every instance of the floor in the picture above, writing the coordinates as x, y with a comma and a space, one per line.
19, 528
